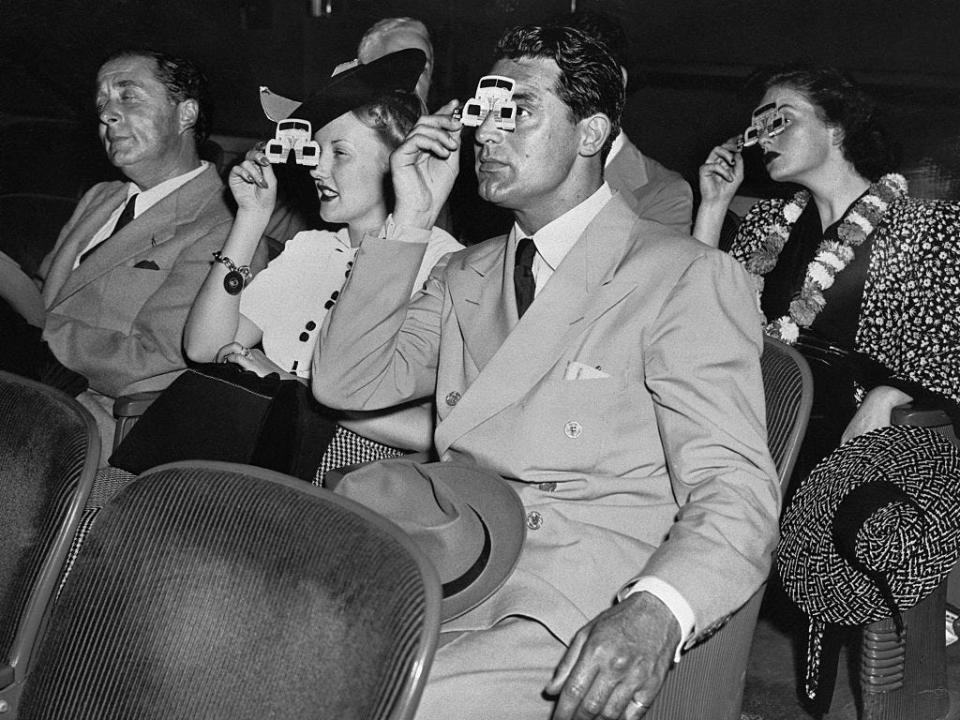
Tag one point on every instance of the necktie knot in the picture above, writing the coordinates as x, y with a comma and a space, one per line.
523, 280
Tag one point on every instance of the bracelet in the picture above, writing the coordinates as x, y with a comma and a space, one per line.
237, 277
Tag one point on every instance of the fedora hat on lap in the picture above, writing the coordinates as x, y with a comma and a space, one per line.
466, 520
872, 531
352, 85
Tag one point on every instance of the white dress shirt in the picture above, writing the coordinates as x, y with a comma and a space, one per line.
145, 200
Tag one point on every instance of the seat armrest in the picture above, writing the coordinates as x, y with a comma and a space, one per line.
928, 415
134, 404
919, 414
127, 409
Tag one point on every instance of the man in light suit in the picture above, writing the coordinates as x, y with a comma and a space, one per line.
118, 284
624, 404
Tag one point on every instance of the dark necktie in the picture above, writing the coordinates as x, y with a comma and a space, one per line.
125, 217
523, 281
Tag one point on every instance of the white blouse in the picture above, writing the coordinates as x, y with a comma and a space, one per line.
289, 299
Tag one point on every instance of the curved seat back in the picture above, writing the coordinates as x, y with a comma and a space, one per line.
215, 590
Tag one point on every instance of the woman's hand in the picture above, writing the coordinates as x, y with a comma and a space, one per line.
874, 411
721, 174
249, 359
425, 166
253, 182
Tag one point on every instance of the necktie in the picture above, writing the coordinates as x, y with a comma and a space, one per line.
125, 217
523, 281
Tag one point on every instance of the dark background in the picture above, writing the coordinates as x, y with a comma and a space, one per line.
689, 61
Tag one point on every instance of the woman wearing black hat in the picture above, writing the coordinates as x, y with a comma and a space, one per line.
849, 267
360, 115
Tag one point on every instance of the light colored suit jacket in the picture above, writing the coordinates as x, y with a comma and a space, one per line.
657, 193
654, 461
118, 324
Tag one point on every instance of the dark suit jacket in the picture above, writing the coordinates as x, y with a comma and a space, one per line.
654, 459
658, 194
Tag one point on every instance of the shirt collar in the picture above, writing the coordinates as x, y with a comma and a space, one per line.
148, 198
555, 239
342, 236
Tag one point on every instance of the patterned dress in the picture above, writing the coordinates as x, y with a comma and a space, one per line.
909, 311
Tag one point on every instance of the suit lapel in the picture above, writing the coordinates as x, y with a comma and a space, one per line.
481, 288
154, 227
99, 210
580, 291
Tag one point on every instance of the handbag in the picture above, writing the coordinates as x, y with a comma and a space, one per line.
219, 411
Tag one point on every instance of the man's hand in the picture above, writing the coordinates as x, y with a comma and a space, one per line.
616, 663
424, 167
874, 411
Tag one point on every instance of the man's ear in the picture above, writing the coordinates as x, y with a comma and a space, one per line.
187, 111
594, 131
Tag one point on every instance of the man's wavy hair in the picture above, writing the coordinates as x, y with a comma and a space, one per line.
589, 81
183, 80
841, 102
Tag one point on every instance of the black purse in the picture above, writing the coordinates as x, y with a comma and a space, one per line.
219, 411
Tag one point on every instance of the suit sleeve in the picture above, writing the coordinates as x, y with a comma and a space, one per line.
702, 368
111, 359
378, 347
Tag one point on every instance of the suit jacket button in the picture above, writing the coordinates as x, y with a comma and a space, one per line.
547, 486
453, 398
573, 429
534, 520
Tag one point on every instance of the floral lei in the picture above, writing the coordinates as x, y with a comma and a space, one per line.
832, 257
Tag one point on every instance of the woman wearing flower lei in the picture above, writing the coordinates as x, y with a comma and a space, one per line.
849, 261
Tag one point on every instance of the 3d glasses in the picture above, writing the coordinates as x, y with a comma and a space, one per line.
765, 119
494, 94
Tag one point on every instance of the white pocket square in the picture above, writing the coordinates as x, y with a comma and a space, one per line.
579, 371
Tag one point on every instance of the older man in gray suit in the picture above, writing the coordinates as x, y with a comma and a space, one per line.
117, 286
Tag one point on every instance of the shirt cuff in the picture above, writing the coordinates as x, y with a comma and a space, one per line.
668, 595
402, 233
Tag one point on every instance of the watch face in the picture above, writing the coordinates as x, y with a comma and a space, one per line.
233, 282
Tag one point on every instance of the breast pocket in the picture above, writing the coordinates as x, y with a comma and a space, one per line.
125, 290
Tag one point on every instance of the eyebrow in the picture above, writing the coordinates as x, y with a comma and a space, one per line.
525, 96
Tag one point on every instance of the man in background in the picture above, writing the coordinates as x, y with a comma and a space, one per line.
399, 33
658, 193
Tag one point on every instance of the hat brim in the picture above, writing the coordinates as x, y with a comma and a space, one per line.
359, 85
501, 511
922, 463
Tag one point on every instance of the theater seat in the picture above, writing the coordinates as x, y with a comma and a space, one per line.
708, 682
905, 677
49, 451
30, 224
223, 591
